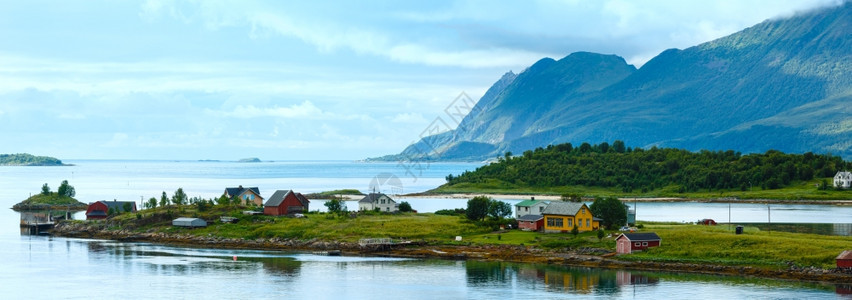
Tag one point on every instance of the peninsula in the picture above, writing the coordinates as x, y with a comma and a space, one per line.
25, 159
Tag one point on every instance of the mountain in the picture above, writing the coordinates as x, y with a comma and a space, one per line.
783, 84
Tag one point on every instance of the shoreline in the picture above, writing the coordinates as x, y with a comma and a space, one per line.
424, 250
627, 199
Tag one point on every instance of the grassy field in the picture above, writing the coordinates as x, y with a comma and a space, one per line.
51, 200
719, 245
796, 191
680, 242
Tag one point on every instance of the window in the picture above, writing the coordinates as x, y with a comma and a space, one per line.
540, 208
526, 209
551, 222
558, 222
644, 243
583, 210
570, 222
588, 224
636, 244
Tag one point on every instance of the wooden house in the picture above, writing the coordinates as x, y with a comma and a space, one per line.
245, 195
379, 201
563, 216
844, 260
285, 202
628, 242
530, 207
101, 209
531, 222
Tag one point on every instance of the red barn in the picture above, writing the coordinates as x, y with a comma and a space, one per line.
100, 210
285, 202
531, 222
629, 242
844, 260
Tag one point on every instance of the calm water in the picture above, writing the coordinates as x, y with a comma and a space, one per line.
38, 267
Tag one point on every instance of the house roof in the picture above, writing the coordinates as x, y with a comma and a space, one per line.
531, 202
304, 200
847, 254
277, 198
530, 218
117, 205
236, 191
647, 236
562, 208
373, 197
185, 219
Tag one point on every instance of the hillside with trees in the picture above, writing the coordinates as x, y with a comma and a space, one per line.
631, 170
25, 159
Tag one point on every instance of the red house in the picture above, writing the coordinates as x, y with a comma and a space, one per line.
285, 202
531, 222
629, 242
707, 222
100, 210
844, 260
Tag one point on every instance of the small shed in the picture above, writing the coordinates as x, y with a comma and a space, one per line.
628, 242
189, 222
531, 222
844, 260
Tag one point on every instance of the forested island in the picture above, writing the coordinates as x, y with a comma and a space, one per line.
26, 159
614, 169
62, 199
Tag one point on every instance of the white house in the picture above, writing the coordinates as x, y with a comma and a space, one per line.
530, 207
378, 200
843, 179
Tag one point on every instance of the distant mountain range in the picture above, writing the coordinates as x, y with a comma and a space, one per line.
782, 84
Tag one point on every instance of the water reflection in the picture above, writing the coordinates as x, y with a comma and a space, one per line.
555, 279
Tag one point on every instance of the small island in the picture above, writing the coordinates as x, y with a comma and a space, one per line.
26, 159
250, 160
62, 199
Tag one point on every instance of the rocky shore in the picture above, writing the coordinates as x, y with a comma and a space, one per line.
423, 249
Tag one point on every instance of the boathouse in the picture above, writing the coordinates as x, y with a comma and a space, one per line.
285, 202
844, 260
628, 242
100, 210
189, 222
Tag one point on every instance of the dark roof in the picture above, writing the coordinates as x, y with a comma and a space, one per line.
845, 255
649, 236
277, 198
531, 202
236, 191
530, 218
118, 205
304, 200
562, 208
373, 197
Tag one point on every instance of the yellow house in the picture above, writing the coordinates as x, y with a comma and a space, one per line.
563, 216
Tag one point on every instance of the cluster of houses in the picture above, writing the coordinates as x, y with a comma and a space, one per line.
282, 202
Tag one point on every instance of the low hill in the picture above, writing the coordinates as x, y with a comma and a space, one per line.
24, 159
635, 170
53, 201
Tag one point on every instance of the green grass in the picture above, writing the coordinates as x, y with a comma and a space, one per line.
719, 245
805, 190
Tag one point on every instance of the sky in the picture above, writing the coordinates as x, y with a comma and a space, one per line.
300, 80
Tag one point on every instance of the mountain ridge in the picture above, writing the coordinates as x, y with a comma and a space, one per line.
782, 84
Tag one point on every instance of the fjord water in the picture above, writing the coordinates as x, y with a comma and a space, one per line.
40, 267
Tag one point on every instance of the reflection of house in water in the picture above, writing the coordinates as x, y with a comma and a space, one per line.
629, 278
576, 282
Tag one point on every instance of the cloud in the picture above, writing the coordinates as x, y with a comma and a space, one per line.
415, 118
305, 109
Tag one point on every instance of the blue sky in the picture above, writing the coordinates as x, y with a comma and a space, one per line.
283, 80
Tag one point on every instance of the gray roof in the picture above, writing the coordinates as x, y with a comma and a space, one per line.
373, 197
119, 205
648, 236
530, 218
562, 208
277, 198
304, 200
236, 191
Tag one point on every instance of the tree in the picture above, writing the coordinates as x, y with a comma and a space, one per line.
179, 198
152, 203
223, 200
575, 231
477, 208
499, 209
611, 210
127, 207
404, 206
571, 197
601, 234
66, 190
45, 190
335, 206
164, 200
